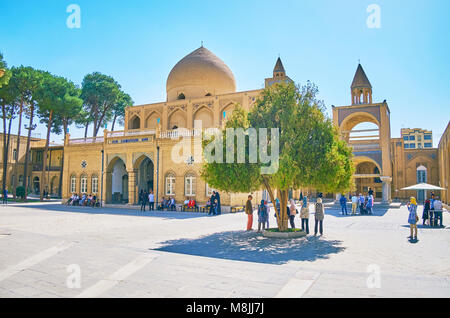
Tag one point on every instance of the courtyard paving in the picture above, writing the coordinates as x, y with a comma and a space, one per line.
50, 250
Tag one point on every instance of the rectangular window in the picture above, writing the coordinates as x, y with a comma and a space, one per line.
83, 185
412, 137
94, 184
170, 185
190, 186
406, 146
427, 137
428, 145
412, 146
73, 184
405, 138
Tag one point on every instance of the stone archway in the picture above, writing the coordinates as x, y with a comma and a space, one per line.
116, 178
145, 172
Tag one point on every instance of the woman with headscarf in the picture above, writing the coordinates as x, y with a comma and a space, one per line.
292, 213
304, 215
426, 208
319, 216
413, 218
262, 216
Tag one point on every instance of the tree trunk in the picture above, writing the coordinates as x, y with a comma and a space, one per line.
5, 151
283, 194
86, 130
27, 155
9, 137
113, 123
44, 165
16, 170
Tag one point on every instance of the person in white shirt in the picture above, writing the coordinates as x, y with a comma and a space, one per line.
151, 201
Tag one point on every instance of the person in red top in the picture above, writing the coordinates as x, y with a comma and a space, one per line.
191, 203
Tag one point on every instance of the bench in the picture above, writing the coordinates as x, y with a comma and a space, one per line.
236, 209
186, 208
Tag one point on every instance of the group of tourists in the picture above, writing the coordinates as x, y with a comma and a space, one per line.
83, 200
365, 203
291, 211
147, 198
214, 205
432, 211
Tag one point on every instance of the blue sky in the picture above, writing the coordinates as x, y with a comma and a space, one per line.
138, 42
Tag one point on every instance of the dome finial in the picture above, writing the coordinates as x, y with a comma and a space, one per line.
202, 44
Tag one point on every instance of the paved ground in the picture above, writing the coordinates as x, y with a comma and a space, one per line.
48, 250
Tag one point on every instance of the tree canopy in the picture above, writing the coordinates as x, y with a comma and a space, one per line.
311, 154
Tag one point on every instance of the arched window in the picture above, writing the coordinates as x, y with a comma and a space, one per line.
83, 184
94, 188
73, 184
181, 96
170, 184
135, 123
189, 185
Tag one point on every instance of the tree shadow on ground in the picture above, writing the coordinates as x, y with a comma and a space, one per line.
110, 211
253, 247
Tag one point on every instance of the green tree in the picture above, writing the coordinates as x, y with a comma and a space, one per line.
57, 98
9, 105
5, 73
123, 101
32, 81
311, 155
99, 93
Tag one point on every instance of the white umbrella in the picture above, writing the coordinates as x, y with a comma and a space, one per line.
423, 186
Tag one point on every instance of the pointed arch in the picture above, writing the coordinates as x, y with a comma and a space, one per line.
151, 121
177, 119
205, 115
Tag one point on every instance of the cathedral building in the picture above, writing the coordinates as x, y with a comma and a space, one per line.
201, 87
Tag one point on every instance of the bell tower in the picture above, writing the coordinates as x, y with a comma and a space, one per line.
279, 74
361, 88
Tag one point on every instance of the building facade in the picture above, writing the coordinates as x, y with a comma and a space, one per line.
201, 88
417, 138
16, 164
444, 163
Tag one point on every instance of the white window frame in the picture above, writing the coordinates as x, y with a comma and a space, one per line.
73, 184
189, 185
83, 184
94, 184
170, 184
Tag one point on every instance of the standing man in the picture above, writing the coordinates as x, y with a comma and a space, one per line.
361, 204
343, 201
354, 204
143, 198
370, 191
249, 212
151, 201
